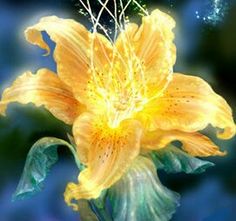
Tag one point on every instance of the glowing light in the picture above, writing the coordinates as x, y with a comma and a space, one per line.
116, 11
171, 3
133, 99
213, 13
119, 101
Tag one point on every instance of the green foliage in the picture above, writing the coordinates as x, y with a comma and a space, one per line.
173, 160
42, 156
139, 195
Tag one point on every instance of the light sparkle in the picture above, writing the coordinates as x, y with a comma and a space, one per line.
213, 12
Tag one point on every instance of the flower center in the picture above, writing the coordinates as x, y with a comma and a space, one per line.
122, 107
118, 91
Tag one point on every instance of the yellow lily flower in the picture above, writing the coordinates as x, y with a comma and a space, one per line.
121, 97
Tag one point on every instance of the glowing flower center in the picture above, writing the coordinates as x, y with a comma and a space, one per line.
122, 106
119, 93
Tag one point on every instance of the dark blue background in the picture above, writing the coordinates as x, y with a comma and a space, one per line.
203, 49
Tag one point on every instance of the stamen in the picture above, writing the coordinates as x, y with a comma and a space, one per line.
119, 88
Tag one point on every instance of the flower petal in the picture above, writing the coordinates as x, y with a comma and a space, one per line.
151, 50
189, 104
107, 153
139, 195
196, 144
43, 88
77, 50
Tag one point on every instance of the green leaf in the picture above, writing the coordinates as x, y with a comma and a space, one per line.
140, 196
41, 157
173, 160
99, 207
85, 211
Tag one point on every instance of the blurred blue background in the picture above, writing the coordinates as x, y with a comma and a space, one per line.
204, 48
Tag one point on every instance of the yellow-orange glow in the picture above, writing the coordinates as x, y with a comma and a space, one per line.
120, 95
